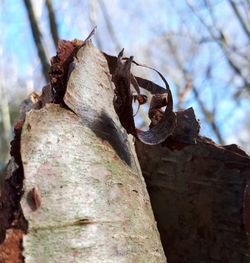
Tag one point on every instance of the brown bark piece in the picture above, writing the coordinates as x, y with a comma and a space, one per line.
123, 96
60, 64
162, 123
197, 194
11, 248
12, 222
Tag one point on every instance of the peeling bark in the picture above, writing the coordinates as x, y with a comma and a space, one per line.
84, 197
11, 251
74, 191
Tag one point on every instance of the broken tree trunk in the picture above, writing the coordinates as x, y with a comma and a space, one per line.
200, 199
74, 192
80, 195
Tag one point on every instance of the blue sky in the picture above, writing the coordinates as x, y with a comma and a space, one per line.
21, 56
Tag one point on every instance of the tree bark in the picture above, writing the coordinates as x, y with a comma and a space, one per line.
84, 197
74, 188
200, 198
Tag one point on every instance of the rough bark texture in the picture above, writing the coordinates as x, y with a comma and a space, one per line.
197, 194
84, 197
74, 192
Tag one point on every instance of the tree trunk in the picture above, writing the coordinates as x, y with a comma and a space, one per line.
74, 191
200, 199
84, 197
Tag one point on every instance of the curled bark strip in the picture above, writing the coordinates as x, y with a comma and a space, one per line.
140, 98
91, 34
163, 123
159, 101
168, 91
146, 84
150, 86
123, 98
160, 132
155, 112
135, 84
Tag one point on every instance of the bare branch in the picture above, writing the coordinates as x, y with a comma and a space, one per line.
37, 36
109, 25
52, 22
239, 17
93, 21
208, 115
220, 39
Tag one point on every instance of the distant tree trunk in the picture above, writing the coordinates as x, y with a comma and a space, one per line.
84, 197
201, 200
5, 115
52, 22
37, 36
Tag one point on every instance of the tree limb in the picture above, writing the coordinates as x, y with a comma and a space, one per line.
52, 22
37, 36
